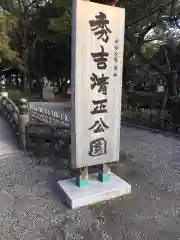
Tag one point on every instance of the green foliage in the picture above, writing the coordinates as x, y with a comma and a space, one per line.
37, 39
6, 26
145, 99
15, 95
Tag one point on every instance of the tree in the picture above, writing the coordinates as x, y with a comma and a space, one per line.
42, 38
21, 11
7, 24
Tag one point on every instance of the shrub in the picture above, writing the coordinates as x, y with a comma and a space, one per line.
145, 99
15, 95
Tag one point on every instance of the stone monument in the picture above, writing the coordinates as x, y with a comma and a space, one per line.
48, 90
96, 88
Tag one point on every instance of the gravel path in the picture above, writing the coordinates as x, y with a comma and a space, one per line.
30, 206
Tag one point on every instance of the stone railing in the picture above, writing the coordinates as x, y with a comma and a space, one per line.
62, 116
10, 112
36, 129
34, 133
17, 117
48, 130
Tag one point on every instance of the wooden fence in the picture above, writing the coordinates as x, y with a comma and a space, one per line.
150, 118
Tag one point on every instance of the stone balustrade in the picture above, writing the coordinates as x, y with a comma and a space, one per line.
37, 129
17, 117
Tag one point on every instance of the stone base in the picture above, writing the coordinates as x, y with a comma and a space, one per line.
3, 94
48, 94
95, 192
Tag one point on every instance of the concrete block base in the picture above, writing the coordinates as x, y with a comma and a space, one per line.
95, 192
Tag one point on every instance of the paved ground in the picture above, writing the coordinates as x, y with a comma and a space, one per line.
30, 208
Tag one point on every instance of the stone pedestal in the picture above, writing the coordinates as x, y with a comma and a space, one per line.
95, 192
48, 94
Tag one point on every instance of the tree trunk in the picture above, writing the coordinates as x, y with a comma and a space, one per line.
26, 84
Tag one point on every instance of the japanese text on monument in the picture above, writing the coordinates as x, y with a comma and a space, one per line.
99, 82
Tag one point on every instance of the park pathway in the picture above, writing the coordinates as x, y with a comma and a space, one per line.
30, 208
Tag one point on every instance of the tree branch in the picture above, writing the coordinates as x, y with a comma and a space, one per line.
167, 58
141, 37
172, 8
136, 50
150, 14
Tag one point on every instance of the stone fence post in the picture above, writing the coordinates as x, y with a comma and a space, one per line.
23, 121
3, 93
3, 90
